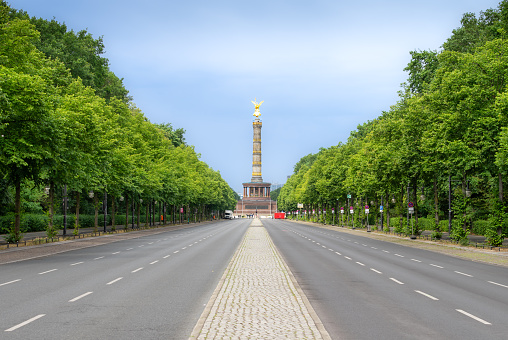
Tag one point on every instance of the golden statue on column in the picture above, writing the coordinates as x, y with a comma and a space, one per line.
256, 107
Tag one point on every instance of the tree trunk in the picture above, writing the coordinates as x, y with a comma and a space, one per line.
96, 215
402, 205
126, 211
78, 202
500, 229
113, 213
51, 208
148, 220
138, 212
17, 210
436, 205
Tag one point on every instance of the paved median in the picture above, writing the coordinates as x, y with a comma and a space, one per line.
258, 297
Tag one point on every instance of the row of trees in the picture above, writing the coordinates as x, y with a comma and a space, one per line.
67, 120
448, 134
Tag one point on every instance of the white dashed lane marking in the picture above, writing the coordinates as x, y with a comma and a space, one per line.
396, 281
498, 284
7, 283
25, 323
137, 270
463, 274
427, 295
115, 280
80, 297
47, 271
473, 317
75, 264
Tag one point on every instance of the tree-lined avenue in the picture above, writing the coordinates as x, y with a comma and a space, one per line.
149, 287
364, 288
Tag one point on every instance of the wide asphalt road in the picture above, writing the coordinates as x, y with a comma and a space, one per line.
363, 288
151, 287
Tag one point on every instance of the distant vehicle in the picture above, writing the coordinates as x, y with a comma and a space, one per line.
228, 214
280, 215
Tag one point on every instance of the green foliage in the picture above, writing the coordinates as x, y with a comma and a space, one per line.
274, 194
13, 236
66, 119
451, 120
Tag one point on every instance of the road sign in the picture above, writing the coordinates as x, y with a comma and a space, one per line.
411, 210
333, 211
381, 208
366, 211
348, 195
410, 205
351, 210
341, 210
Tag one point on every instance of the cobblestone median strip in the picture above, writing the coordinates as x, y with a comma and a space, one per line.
258, 298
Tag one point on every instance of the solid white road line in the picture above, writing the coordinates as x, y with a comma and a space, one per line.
6, 283
48, 271
98, 258
25, 323
136, 270
494, 283
376, 271
75, 264
435, 265
80, 297
473, 317
427, 295
115, 280
397, 281
463, 274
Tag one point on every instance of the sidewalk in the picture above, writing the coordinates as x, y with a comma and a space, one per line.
82, 231
258, 297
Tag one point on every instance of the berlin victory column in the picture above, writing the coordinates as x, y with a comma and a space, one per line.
256, 193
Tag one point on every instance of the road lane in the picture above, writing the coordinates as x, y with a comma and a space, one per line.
364, 288
119, 290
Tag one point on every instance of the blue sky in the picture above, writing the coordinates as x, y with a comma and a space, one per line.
322, 67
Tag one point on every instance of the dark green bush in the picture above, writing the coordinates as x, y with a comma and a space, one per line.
480, 227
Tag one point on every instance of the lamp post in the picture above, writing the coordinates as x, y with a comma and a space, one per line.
105, 209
